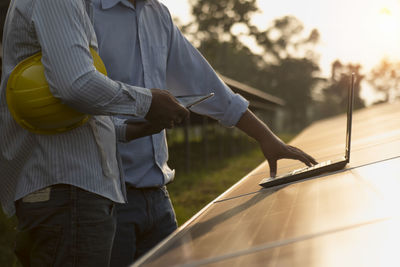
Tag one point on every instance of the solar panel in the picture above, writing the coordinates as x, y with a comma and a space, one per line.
346, 218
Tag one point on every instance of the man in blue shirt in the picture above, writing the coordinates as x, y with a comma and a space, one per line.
138, 41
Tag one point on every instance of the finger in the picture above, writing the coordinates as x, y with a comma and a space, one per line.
304, 159
178, 119
184, 116
313, 161
184, 112
302, 156
272, 168
310, 159
168, 124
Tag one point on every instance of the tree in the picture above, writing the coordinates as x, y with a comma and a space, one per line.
294, 68
216, 19
286, 65
293, 80
385, 79
213, 32
335, 93
286, 39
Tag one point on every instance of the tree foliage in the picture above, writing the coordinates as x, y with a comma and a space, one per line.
218, 17
334, 95
293, 80
385, 79
285, 64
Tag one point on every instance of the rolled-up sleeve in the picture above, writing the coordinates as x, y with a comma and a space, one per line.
188, 72
62, 31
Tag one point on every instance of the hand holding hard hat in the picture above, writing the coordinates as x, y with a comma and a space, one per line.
33, 106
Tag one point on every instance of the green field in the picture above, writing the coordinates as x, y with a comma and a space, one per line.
191, 191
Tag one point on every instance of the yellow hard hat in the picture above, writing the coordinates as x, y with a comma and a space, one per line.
33, 106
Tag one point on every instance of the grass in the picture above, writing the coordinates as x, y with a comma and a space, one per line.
193, 190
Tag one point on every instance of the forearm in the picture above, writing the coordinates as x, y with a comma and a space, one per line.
140, 129
127, 129
96, 94
255, 128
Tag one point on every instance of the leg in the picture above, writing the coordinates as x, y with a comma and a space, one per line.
131, 218
163, 219
71, 227
95, 229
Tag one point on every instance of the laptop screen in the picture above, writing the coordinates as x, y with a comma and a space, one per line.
349, 115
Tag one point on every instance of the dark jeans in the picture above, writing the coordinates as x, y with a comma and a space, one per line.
73, 228
145, 220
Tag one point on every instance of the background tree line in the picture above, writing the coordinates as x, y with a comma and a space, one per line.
285, 65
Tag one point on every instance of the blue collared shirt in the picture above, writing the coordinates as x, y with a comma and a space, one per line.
86, 156
141, 46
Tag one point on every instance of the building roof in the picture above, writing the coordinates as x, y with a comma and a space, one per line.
258, 99
346, 218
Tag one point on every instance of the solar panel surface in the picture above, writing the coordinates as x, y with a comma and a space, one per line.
346, 218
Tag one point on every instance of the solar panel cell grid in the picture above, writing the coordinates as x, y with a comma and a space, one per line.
337, 219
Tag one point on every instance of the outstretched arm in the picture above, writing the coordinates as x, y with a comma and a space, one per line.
272, 147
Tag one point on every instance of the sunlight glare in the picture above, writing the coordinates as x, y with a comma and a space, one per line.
388, 23
381, 28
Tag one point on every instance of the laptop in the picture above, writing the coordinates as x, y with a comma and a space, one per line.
323, 167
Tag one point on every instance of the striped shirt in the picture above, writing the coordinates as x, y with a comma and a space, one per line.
85, 157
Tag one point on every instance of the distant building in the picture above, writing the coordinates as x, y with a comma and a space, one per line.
267, 107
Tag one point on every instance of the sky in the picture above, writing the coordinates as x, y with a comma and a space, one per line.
353, 31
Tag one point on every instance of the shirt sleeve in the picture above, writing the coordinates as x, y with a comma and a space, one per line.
120, 128
62, 28
189, 73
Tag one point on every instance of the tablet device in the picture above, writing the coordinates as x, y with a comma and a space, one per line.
189, 101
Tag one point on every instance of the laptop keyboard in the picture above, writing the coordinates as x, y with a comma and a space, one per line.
319, 165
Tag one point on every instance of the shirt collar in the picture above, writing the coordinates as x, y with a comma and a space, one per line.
106, 4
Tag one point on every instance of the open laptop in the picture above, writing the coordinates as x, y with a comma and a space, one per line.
323, 167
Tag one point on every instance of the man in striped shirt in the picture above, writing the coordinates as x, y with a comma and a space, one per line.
63, 187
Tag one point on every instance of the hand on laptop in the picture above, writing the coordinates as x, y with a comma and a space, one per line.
275, 150
272, 147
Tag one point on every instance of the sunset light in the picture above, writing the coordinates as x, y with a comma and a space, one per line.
362, 31
388, 22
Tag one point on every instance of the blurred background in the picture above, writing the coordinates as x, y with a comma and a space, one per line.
292, 59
